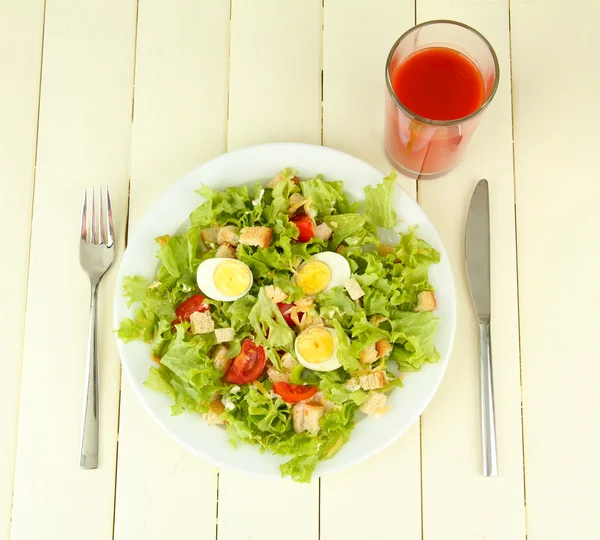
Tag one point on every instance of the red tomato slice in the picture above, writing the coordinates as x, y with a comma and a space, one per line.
248, 365
189, 306
286, 312
305, 226
294, 393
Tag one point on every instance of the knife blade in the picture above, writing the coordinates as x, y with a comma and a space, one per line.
478, 250
477, 247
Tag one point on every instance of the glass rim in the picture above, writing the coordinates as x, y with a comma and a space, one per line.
429, 121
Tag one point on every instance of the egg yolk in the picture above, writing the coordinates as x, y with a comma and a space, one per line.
231, 278
313, 277
315, 345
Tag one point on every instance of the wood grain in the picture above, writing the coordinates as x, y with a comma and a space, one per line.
357, 39
275, 95
84, 139
21, 29
458, 502
556, 89
179, 122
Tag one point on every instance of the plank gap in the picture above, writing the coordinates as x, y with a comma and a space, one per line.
28, 263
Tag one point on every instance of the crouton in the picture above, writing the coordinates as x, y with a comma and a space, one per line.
226, 251
295, 201
426, 301
354, 289
202, 322
376, 320
306, 417
352, 384
210, 235
277, 376
384, 249
368, 355
275, 294
224, 335
288, 361
229, 234
323, 232
383, 347
219, 356
215, 410
374, 403
373, 381
256, 236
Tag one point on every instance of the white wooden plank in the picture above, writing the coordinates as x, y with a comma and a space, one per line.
358, 35
275, 94
84, 139
357, 39
556, 88
458, 502
275, 72
179, 121
21, 28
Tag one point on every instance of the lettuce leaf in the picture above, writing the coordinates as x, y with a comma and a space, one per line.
378, 202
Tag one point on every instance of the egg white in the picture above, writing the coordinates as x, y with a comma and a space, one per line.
338, 265
329, 365
205, 275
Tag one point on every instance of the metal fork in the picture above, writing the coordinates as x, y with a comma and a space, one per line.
96, 255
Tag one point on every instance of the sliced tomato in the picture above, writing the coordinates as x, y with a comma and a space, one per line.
294, 393
286, 311
189, 306
248, 365
305, 226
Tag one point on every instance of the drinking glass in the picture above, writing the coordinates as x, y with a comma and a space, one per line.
422, 147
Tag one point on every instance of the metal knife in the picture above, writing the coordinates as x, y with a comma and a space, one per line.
478, 274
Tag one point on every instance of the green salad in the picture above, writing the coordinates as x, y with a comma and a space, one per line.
279, 314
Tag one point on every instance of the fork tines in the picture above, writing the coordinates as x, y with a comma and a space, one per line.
100, 221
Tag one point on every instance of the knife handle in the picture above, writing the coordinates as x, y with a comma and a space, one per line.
488, 424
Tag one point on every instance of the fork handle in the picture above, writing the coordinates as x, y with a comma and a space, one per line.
89, 431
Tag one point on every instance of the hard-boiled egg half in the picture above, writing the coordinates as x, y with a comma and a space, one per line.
324, 271
224, 279
316, 348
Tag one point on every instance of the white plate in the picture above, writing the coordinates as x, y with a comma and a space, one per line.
243, 166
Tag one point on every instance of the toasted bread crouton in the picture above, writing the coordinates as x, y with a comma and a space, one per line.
426, 301
354, 289
374, 403
215, 410
383, 347
256, 236
229, 234
384, 249
224, 335
277, 376
288, 361
323, 232
295, 201
219, 356
376, 320
306, 417
202, 322
352, 384
275, 294
226, 251
210, 235
373, 381
368, 355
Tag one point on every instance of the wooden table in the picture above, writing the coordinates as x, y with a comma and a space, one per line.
134, 94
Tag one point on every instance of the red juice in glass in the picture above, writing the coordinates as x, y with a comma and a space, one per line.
441, 75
